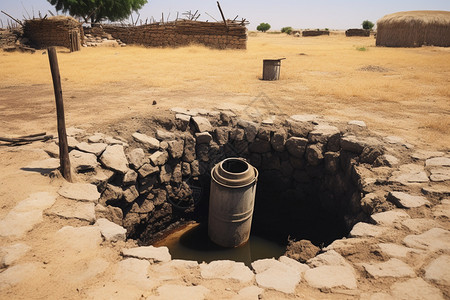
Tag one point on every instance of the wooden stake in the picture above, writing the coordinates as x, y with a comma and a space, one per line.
62, 135
223, 17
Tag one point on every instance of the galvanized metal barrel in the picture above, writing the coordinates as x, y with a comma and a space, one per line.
271, 69
231, 202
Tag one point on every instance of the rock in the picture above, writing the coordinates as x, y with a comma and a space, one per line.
438, 271
436, 190
250, 292
419, 225
296, 146
357, 123
227, 116
327, 277
16, 274
175, 148
195, 168
131, 194
12, 253
331, 160
130, 177
147, 169
237, 134
26, 214
202, 124
440, 174
432, 240
183, 117
299, 129
111, 231
189, 148
111, 213
322, 133
314, 154
366, 230
442, 210
203, 137
150, 142
186, 169
386, 160
278, 140
415, 289
71, 142
159, 158
184, 111
44, 166
304, 118
96, 148
81, 161
438, 162
353, 144
410, 174
424, 154
163, 135
221, 135
370, 154
259, 146
97, 138
276, 275
101, 178
391, 268
404, 200
134, 271
226, 269
112, 193
137, 158
82, 240
172, 291
69, 209
80, 191
73, 131
114, 158
112, 141
154, 254
389, 218
166, 174
250, 129
147, 184
177, 174
301, 250
370, 201
328, 258
397, 251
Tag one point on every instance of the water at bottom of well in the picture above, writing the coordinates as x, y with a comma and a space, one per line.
193, 243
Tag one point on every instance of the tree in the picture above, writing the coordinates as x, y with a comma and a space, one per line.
263, 27
98, 10
287, 30
366, 24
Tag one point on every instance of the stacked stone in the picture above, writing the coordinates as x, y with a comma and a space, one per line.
315, 32
357, 32
182, 33
52, 31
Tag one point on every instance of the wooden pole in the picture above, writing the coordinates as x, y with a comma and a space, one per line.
62, 135
221, 13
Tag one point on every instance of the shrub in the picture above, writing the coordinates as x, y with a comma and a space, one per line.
366, 24
263, 27
287, 30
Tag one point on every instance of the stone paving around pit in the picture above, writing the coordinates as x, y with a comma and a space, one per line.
415, 248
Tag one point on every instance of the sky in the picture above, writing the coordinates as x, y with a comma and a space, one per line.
301, 14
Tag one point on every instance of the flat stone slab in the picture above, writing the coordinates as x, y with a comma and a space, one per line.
69, 209
45, 165
442, 210
80, 191
410, 174
172, 291
404, 200
88, 270
73, 131
226, 269
26, 214
134, 271
114, 158
415, 289
331, 276
304, 118
202, 124
397, 251
362, 229
357, 123
425, 154
82, 161
163, 135
10, 254
94, 148
440, 174
155, 254
438, 162
184, 111
439, 190
83, 239
16, 274
250, 292
111, 231
438, 270
174, 269
420, 225
433, 240
389, 218
281, 276
391, 268
329, 258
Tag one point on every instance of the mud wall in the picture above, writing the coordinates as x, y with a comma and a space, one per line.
182, 33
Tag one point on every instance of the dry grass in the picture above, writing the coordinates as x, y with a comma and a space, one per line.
324, 75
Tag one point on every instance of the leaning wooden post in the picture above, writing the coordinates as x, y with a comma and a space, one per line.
62, 135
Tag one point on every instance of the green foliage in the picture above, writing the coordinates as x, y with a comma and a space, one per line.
98, 10
366, 24
361, 48
287, 30
326, 29
263, 27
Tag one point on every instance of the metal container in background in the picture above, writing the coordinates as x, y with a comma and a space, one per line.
231, 202
271, 69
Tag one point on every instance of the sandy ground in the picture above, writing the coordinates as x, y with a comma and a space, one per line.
29, 108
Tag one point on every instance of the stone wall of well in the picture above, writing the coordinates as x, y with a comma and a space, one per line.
182, 33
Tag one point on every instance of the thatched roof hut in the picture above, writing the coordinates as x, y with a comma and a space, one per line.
414, 29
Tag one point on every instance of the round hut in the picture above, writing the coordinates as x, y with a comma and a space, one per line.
54, 31
414, 29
